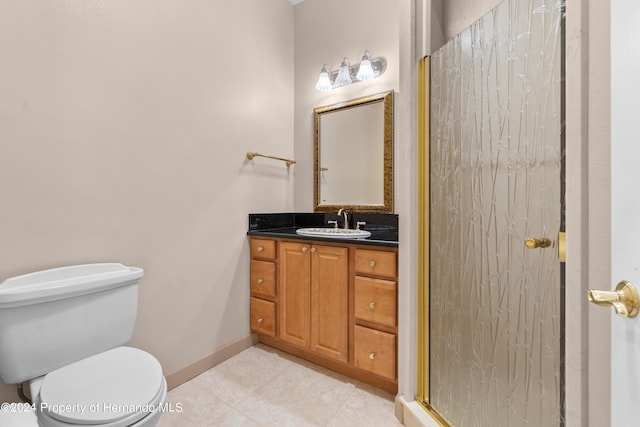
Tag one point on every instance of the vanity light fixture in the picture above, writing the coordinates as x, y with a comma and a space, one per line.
347, 74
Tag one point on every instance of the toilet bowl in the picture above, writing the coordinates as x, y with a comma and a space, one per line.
80, 372
117, 388
123, 387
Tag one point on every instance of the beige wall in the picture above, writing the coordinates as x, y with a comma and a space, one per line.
123, 132
326, 31
459, 14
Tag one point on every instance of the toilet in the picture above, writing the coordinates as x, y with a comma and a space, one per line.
64, 331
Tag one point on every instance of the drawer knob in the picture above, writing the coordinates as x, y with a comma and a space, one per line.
372, 305
313, 250
260, 320
260, 249
260, 281
372, 263
372, 356
305, 249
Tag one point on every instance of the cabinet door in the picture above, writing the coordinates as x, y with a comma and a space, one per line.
294, 294
329, 301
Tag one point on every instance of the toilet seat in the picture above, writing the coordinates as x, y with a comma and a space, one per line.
116, 388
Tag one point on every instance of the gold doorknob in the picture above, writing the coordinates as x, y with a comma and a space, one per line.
260, 281
372, 356
533, 243
624, 299
305, 249
260, 320
260, 249
313, 250
372, 263
372, 305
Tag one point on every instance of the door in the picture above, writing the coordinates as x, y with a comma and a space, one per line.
625, 205
329, 301
495, 284
313, 305
293, 305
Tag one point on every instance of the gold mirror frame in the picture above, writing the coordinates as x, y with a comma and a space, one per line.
387, 99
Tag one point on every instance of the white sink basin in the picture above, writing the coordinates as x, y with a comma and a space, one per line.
336, 233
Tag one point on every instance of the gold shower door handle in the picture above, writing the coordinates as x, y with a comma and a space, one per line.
624, 299
534, 243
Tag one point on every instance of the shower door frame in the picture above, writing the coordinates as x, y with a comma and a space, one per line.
424, 67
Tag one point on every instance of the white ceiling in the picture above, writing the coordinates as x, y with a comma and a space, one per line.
295, 2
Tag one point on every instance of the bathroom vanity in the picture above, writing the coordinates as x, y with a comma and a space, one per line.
327, 300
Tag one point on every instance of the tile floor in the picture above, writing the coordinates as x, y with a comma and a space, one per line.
265, 387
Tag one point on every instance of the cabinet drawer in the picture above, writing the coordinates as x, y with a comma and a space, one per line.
379, 263
375, 300
263, 277
263, 316
263, 248
375, 351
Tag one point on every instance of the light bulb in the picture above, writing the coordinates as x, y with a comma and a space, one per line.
324, 81
344, 75
365, 72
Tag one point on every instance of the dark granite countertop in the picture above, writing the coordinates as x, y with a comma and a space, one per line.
383, 227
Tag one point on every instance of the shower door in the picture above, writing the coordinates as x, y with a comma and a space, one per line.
496, 183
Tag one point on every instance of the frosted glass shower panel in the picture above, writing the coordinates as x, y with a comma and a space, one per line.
495, 174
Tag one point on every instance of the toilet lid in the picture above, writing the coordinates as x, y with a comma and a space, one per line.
103, 388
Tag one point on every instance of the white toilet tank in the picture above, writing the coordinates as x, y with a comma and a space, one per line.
52, 318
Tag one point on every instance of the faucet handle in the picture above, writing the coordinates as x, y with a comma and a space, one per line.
359, 223
335, 223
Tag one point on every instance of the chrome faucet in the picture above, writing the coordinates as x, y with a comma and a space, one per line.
342, 211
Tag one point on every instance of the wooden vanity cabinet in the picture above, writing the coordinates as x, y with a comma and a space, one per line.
334, 304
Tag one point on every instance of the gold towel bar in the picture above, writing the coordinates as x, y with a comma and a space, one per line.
251, 155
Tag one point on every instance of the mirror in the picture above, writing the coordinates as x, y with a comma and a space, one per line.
353, 155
